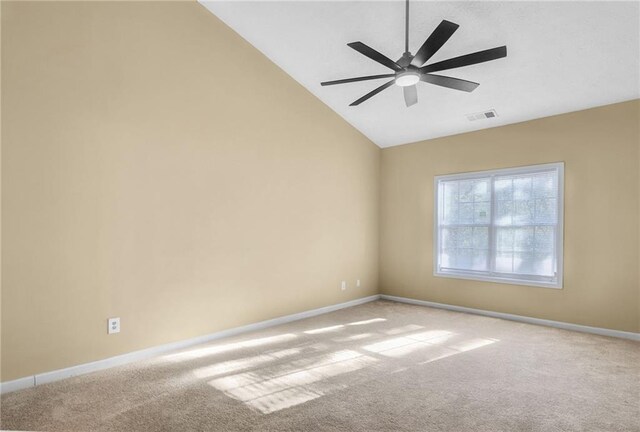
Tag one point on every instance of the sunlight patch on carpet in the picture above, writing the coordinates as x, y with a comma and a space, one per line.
243, 363
266, 392
325, 329
223, 348
369, 321
404, 329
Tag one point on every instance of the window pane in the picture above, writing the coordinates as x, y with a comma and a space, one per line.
544, 239
466, 213
533, 263
447, 258
481, 212
503, 189
449, 238
543, 264
505, 239
523, 263
480, 259
504, 212
515, 239
465, 237
481, 238
465, 259
481, 191
524, 212
526, 200
522, 188
504, 262
523, 239
466, 202
466, 191
546, 210
450, 203
465, 248
525, 250
545, 185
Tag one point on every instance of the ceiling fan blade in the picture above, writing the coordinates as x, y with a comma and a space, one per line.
453, 83
372, 93
410, 95
434, 42
374, 55
350, 80
466, 60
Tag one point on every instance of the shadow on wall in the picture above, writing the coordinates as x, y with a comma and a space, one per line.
293, 368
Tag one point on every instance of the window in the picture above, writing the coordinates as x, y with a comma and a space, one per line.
502, 226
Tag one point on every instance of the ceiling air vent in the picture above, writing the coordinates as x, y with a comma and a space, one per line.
482, 115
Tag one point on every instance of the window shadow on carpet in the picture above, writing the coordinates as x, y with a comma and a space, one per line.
272, 373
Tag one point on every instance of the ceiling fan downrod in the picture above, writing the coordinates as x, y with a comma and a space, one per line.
406, 29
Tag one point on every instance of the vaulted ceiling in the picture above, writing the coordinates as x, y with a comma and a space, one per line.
562, 57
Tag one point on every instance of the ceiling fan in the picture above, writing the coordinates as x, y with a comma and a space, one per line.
409, 69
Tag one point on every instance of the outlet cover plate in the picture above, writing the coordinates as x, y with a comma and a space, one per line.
113, 325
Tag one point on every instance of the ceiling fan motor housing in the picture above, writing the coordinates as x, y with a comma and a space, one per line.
405, 60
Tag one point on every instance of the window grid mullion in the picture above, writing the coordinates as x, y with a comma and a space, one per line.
492, 240
440, 217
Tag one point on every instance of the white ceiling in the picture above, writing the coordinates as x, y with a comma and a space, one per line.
562, 57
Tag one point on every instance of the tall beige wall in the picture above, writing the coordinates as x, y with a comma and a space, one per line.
158, 168
600, 148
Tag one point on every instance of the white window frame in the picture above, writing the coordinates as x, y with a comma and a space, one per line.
490, 276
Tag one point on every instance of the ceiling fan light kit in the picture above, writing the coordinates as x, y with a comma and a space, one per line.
410, 69
407, 78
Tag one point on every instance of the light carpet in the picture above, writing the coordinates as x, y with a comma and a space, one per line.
381, 366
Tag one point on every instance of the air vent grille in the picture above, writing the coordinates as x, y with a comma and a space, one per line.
488, 114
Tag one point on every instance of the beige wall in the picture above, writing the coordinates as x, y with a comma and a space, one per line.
600, 148
158, 168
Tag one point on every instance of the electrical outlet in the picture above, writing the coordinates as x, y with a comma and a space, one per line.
358, 283
113, 325
343, 286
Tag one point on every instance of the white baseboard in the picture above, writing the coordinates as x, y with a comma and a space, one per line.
19, 384
59, 374
525, 319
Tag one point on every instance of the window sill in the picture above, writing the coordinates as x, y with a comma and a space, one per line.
503, 280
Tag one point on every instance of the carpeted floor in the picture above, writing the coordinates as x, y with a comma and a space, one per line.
382, 366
